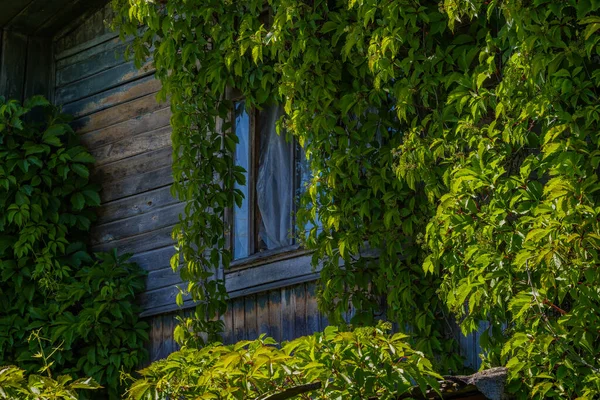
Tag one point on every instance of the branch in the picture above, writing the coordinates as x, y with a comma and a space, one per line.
291, 392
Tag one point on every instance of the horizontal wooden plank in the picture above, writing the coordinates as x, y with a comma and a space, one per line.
102, 81
89, 53
133, 145
136, 225
155, 259
159, 301
162, 278
257, 278
92, 64
137, 124
133, 165
141, 204
136, 184
141, 243
114, 115
89, 33
113, 97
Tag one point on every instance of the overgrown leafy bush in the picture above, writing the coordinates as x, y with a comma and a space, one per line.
48, 281
366, 363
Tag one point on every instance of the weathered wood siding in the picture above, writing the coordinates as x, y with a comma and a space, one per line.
25, 65
284, 314
127, 131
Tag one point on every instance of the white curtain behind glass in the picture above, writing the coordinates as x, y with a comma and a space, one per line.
274, 185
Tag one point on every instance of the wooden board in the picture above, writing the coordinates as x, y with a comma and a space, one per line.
89, 33
137, 123
121, 113
133, 145
135, 165
136, 184
102, 81
14, 65
137, 205
92, 63
39, 62
112, 97
154, 259
136, 225
141, 243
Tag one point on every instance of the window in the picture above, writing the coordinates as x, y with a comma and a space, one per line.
276, 173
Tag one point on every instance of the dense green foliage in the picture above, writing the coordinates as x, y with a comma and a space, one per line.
14, 385
366, 363
82, 304
457, 137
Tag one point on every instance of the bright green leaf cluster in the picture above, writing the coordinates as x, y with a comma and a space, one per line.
15, 385
365, 363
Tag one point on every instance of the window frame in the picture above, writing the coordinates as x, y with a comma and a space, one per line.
257, 258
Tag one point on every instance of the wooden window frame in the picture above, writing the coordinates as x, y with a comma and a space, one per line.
257, 258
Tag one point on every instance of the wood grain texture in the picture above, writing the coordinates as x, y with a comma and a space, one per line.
133, 145
133, 165
144, 203
121, 113
112, 97
89, 32
136, 184
154, 259
39, 67
137, 123
136, 225
162, 278
140, 243
14, 65
92, 63
102, 81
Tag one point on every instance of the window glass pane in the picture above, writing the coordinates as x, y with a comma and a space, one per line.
275, 183
305, 175
241, 223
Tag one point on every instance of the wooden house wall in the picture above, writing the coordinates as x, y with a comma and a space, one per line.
128, 132
25, 65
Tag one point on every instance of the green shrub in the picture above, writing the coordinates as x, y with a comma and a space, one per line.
48, 280
14, 385
365, 363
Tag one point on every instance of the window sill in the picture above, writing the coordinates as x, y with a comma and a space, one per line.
270, 270
266, 257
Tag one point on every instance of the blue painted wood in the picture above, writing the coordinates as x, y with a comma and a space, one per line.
102, 81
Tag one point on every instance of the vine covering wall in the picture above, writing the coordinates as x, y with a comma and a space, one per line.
458, 137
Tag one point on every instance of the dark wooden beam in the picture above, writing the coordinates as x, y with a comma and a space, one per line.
13, 61
36, 14
10, 9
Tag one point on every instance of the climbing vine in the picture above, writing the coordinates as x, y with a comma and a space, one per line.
457, 138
